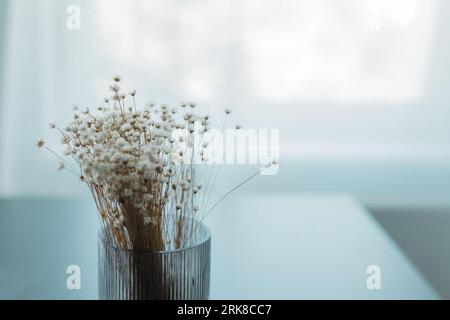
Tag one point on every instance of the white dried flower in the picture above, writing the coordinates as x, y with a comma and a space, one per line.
128, 193
68, 151
40, 143
115, 88
147, 197
65, 139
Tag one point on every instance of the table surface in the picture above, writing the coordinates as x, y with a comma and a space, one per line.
264, 246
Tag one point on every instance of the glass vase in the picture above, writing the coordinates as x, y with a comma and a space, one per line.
181, 274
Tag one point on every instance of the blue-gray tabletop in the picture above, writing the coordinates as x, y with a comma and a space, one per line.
264, 246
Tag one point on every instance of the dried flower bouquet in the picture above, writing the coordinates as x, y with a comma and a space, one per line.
142, 168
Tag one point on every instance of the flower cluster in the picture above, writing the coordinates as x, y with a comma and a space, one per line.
140, 168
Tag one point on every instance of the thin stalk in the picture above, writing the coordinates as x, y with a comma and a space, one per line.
225, 196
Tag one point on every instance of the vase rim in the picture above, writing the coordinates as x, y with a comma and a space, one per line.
204, 239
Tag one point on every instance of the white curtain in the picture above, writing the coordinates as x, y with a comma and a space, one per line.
41, 77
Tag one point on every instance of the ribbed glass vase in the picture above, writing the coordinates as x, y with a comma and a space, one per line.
181, 274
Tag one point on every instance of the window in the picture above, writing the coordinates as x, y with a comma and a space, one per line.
351, 51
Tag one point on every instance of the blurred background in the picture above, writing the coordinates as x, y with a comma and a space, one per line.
357, 88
